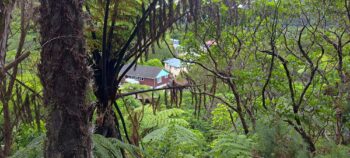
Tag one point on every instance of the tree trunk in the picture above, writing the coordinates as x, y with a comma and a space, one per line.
106, 122
6, 8
239, 107
341, 94
64, 76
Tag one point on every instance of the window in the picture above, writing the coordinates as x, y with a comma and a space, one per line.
139, 78
159, 80
135, 78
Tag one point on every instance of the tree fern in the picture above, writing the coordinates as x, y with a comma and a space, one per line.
232, 145
33, 150
161, 118
181, 134
110, 147
102, 148
173, 141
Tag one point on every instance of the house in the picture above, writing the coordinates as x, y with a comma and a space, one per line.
147, 75
174, 66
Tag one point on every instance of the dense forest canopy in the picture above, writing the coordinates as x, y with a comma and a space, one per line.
175, 78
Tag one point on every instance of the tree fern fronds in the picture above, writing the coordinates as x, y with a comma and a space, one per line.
232, 145
33, 150
175, 141
110, 147
102, 148
180, 134
161, 118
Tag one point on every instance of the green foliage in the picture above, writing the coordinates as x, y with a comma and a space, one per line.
26, 133
177, 133
33, 150
131, 87
181, 134
328, 149
221, 117
127, 12
161, 118
204, 127
102, 148
161, 51
110, 147
232, 145
131, 102
276, 139
153, 62
336, 151
173, 141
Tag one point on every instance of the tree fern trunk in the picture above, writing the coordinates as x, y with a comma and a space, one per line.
64, 75
106, 122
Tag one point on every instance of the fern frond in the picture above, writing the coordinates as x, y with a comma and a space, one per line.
33, 150
102, 148
162, 118
181, 135
175, 141
232, 145
110, 147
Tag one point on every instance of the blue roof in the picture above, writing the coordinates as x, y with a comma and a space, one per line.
173, 62
162, 73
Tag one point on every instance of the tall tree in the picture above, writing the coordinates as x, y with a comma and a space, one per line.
338, 38
7, 83
6, 8
64, 75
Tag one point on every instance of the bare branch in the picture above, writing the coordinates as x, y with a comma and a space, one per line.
16, 61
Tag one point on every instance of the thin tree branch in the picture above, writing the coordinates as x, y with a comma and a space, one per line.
152, 90
16, 61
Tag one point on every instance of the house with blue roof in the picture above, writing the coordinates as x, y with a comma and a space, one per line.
154, 77
174, 66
